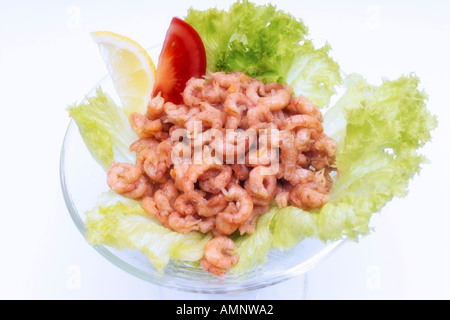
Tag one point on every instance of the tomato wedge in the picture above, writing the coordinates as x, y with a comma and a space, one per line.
182, 57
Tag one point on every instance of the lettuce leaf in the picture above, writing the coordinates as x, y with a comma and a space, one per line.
104, 128
267, 44
123, 224
385, 126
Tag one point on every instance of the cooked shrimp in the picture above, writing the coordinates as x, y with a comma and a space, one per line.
143, 127
192, 174
176, 114
192, 94
165, 197
259, 117
325, 145
212, 206
224, 227
241, 171
261, 185
219, 252
216, 184
301, 105
303, 121
182, 224
308, 197
184, 206
142, 188
149, 205
255, 91
209, 117
155, 107
142, 144
127, 180
213, 93
301, 176
225, 80
282, 195
243, 201
303, 140
277, 100
206, 224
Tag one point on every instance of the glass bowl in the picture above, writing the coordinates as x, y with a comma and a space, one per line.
83, 181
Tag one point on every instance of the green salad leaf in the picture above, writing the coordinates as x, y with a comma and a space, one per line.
123, 224
267, 44
104, 128
380, 130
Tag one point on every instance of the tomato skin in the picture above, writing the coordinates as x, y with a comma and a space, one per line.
182, 57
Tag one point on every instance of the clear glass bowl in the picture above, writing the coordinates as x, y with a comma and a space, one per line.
83, 181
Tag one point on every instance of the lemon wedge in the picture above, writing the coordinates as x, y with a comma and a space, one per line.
130, 67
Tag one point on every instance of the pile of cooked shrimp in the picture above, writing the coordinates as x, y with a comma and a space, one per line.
230, 194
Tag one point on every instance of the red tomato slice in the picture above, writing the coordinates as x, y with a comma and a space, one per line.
182, 57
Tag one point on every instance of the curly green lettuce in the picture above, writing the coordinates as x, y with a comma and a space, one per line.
268, 44
380, 130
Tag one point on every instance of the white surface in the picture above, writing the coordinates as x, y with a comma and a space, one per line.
48, 60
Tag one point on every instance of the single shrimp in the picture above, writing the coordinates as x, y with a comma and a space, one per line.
303, 140
282, 195
127, 180
325, 145
192, 94
156, 162
225, 80
212, 206
144, 127
165, 198
182, 224
241, 171
301, 105
209, 117
216, 184
149, 205
192, 174
277, 99
142, 144
206, 224
176, 114
234, 106
303, 121
255, 91
309, 196
261, 185
155, 107
243, 201
177, 173
220, 252
259, 117
184, 206
213, 93
224, 227
301, 176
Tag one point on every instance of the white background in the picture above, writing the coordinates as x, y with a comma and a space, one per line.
48, 60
